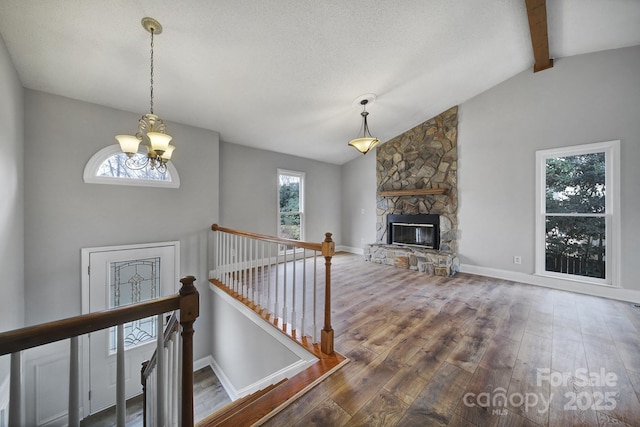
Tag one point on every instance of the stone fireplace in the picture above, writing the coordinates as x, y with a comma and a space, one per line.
416, 175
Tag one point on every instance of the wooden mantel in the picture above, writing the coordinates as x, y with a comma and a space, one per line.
412, 192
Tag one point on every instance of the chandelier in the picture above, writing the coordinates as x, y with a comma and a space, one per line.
151, 129
366, 142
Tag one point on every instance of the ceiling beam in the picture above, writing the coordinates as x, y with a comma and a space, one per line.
537, 13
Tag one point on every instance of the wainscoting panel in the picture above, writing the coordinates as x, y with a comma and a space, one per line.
47, 385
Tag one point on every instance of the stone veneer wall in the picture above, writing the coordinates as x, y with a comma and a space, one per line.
423, 157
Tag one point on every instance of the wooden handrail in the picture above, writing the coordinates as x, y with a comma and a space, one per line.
296, 243
187, 301
37, 335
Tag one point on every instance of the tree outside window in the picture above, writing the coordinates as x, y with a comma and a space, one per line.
575, 220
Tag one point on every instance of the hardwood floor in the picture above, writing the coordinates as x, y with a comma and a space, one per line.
471, 350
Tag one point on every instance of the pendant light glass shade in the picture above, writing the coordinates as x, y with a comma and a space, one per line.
363, 145
166, 156
159, 141
128, 144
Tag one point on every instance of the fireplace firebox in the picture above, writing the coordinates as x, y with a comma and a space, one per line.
422, 230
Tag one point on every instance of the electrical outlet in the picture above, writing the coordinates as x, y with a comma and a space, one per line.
361, 211
517, 259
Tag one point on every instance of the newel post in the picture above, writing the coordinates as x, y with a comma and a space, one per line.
189, 311
326, 335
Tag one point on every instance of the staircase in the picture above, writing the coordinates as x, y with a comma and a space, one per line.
278, 279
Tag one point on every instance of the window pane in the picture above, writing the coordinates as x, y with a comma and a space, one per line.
576, 184
575, 245
290, 226
289, 193
115, 167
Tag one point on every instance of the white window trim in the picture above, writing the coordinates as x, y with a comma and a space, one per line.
91, 169
301, 175
612, 215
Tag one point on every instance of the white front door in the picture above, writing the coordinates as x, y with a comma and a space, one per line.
118, 277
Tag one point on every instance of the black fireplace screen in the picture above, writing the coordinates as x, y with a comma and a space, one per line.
415, 230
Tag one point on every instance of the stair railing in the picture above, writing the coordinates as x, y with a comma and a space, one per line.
160, 378
16, 341
272, 276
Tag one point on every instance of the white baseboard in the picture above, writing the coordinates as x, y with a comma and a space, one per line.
201, 363
350, 249
224, 380
555, 283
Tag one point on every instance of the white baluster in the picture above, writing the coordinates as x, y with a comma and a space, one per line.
15, 392
276, 307
269, 305
250, 293
160, 371
293, 298
260, 267
285, 309
242, 266
176, 374
315, 295
217, 259
227, 252
304, 292
74, 384
121, 404
169, 381
235, 262
180, 375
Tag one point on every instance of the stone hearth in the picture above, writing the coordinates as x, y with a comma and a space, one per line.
408, 167
428, 261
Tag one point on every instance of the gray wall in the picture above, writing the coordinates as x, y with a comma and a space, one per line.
63, 214
582, 99
244, 351
359, 201
12, 196
248, 191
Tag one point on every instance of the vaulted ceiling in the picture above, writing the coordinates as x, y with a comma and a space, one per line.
283, 75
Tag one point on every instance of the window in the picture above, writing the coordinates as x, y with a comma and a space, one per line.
107, 167
577, 227
290, 204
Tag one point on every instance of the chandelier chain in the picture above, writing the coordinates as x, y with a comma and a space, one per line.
152, 70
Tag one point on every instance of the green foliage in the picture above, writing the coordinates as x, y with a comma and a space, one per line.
290, 197
576, 184
290, 216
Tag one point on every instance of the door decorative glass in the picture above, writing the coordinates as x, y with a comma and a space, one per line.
132, 282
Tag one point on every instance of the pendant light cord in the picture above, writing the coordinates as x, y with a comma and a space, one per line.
152, 71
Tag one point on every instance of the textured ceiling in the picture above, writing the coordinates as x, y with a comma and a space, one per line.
283, 75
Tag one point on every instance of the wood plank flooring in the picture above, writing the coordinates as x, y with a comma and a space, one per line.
471, 351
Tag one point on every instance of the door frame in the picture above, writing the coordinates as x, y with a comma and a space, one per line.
85, 255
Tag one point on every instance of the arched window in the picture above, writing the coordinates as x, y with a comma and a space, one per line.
107, 167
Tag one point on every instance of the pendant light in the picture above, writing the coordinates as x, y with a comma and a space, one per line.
151, 129
366, 142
